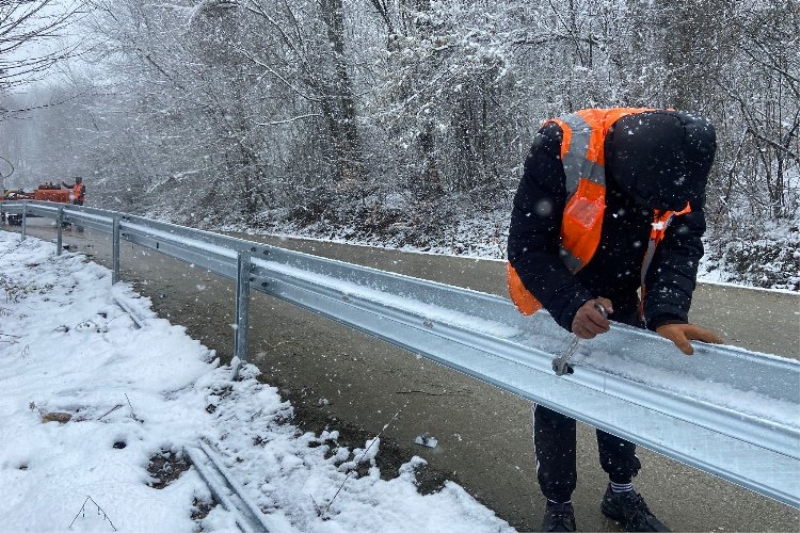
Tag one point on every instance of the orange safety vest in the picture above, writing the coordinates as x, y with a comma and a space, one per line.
583, 159
77, 191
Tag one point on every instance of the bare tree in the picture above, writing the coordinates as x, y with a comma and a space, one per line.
772, 118
757, 97
30, 33
311, 59
423, 111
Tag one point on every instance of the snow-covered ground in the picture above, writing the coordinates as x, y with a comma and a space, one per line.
96, 412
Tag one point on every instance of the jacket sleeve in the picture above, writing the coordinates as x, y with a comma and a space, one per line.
672, 276
535, 231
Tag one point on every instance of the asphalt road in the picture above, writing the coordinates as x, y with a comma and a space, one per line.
484, 434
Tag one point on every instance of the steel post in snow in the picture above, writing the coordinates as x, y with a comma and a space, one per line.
60, 230
115, 249
243, 279
24, 219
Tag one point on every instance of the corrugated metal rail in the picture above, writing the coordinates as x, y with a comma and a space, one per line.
727, 411
225, 489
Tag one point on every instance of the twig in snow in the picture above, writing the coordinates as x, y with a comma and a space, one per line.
110, 410
133, 415
327, 507
82, 513
6, 337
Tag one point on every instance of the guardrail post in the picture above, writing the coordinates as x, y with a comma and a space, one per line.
24, 219
60, 235
243, 279
115, 250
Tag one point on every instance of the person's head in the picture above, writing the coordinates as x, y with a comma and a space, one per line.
661, 158
78, 180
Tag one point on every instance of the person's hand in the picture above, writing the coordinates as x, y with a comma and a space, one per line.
589, 321
681, 334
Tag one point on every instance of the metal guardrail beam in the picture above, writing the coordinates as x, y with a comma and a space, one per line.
727, 411
225, 488
744, 429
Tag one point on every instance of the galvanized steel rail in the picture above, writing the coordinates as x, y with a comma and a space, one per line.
225, 489
727, 411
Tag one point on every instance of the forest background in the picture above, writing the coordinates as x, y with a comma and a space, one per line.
394, 122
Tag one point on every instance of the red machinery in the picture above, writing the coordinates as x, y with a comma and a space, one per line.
52, 193
47, 192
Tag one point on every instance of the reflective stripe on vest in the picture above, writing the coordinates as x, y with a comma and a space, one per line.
583, 159
661, 221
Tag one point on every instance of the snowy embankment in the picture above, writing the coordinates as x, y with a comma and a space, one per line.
96, 413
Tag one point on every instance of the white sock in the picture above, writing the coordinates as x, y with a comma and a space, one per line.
621, 487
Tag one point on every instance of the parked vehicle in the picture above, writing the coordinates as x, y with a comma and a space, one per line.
46, 192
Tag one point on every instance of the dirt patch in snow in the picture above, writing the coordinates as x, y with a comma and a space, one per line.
310, 416
165, 467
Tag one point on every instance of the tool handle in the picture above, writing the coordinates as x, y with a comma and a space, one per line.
561, 364
602, 310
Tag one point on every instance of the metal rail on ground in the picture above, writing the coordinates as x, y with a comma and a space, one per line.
225, 488
727, 411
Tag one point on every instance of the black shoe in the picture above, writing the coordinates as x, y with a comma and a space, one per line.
629, 509
558, 517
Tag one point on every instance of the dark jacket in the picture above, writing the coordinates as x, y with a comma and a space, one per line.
615, 270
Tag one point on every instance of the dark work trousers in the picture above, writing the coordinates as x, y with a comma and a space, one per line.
554, 438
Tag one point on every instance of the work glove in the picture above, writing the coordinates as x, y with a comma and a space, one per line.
681, 334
